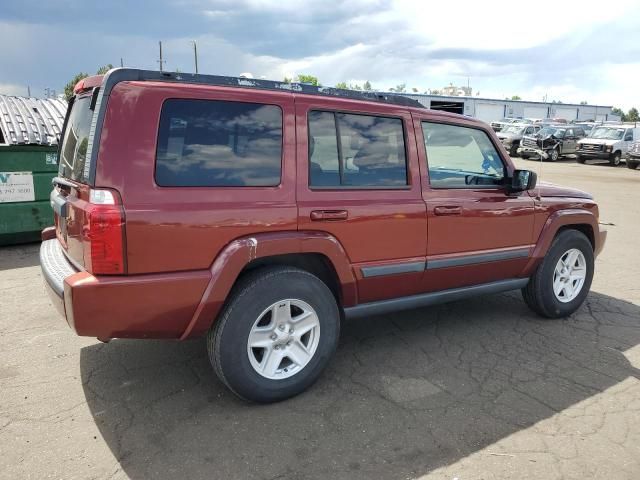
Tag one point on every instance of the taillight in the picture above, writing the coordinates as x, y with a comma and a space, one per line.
103, 234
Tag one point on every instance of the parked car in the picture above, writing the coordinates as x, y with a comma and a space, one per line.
500, 124
511, 136
262, 215
607, 142
633, 159
551, 142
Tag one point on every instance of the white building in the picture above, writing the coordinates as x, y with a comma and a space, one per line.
489, 109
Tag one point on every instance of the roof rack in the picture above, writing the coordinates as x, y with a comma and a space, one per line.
123, 74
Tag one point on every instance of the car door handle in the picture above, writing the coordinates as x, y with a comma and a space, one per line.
320, 215
447, 210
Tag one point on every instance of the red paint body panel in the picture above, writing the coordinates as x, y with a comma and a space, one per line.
186, 247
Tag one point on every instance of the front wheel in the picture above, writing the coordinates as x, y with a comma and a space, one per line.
615, 159
275, 335
632, 164
554, 155
513, 151
580, 159
563, 279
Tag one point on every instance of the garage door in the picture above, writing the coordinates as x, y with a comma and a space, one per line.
568, 113
489, 112
537, 111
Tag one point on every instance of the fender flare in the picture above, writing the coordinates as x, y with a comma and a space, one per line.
230, 262
557, 220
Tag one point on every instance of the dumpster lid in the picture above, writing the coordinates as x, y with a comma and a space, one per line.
31, 121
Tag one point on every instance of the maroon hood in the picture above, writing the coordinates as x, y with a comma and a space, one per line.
547, 189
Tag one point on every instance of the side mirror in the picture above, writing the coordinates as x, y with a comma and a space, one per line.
523, 180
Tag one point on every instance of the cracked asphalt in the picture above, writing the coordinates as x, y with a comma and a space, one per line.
478, 389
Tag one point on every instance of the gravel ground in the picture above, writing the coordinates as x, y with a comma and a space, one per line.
478, 389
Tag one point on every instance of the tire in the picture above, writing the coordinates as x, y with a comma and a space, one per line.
554, 155
632, 164
580, 159
248, 309
539, 293
615, 159
524, 157
513, 151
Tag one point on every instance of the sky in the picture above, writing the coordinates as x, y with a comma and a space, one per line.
566, 50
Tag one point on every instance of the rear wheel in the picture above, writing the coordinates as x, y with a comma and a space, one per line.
632, 164
563, 279
615, 159
276, 334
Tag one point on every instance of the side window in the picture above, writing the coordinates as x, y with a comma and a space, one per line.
213, 143
529, 131
628, 136
570, 132
461, 157
351, 150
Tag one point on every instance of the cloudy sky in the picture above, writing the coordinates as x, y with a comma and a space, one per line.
568, 50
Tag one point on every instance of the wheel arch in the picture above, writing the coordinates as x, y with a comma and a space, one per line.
317, 252
582, 220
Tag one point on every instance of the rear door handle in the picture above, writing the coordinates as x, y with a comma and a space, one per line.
447, 210
320, 215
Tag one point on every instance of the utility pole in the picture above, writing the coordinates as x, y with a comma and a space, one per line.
121, 62
28, 91
161, 61
195, 53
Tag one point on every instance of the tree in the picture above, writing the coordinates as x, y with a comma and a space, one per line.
342, 85
287, 80
400, 88
632, 116
366, 86
68, 88
516, 97
584, 102
620, 113
415, 90
435, 92
310, 79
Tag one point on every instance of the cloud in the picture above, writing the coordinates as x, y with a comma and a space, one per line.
588, 55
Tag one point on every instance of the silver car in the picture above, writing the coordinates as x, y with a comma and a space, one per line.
511, 136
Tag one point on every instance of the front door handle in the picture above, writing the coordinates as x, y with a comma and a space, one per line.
320, 215
447, 210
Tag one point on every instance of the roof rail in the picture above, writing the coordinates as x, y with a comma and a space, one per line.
123, 74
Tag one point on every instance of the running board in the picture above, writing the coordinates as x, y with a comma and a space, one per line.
432, 298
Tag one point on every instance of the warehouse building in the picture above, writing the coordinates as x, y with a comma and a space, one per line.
488, 109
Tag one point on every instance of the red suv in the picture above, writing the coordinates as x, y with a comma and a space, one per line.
263, 214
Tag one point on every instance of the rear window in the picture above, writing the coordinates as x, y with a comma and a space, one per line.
73, 151
213, 143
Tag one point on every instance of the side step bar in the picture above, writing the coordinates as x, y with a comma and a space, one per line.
432, 298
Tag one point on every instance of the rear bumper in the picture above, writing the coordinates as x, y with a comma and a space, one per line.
137, 306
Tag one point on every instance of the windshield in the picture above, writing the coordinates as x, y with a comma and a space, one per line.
547, 131
512, 129
607, 133
73, 150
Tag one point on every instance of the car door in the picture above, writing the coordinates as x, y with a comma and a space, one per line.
478, 232
569, 142
358, 180
628, 140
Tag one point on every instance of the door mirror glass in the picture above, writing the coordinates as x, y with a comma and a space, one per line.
523, 180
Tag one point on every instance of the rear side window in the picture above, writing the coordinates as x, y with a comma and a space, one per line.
213, 143
73, 150
349, 150
461, 157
